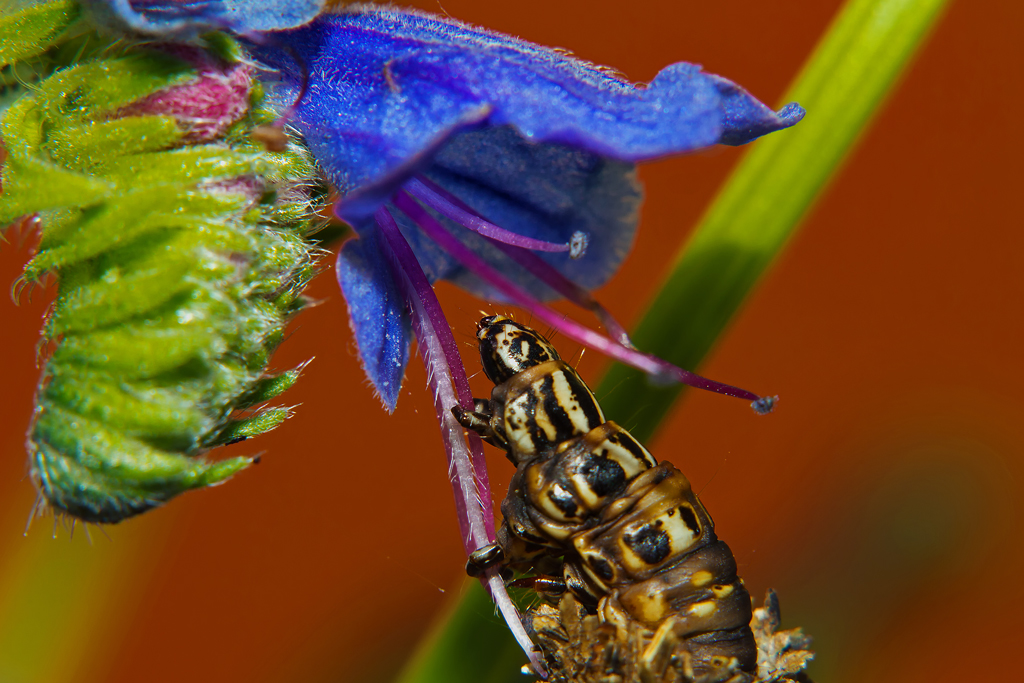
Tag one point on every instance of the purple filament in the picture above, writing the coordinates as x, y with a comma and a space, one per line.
657, 368
428, 194
447, 378
540, 269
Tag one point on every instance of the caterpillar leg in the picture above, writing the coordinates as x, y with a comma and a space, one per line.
512, 553
484, 423
548, 586
483, 559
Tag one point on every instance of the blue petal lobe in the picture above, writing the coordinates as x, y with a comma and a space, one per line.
746, 118
188, 18
377, 313
388, 89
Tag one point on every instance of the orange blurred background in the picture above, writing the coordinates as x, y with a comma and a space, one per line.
881, 499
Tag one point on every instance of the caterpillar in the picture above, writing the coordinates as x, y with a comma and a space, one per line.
603, 525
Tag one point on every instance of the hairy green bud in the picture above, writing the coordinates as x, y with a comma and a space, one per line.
178, 244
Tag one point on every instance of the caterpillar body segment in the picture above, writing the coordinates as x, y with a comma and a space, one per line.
618, 540
538, 398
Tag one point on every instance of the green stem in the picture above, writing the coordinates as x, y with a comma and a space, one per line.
842, 86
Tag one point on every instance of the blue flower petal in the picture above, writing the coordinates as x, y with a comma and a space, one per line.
746, 118
546, 192
377, 313
188, 18
531, 139
388, 89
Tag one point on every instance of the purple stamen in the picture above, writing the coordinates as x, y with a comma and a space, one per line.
447, 378
548, 274
658, 369
426, 192
764, 405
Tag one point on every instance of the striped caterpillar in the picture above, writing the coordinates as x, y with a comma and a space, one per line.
597, 520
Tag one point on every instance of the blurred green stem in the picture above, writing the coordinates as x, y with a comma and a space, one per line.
842, 86
861, 56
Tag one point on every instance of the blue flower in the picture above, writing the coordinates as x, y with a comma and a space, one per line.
522, 156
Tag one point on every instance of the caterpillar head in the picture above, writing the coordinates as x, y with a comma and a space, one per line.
508, 348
